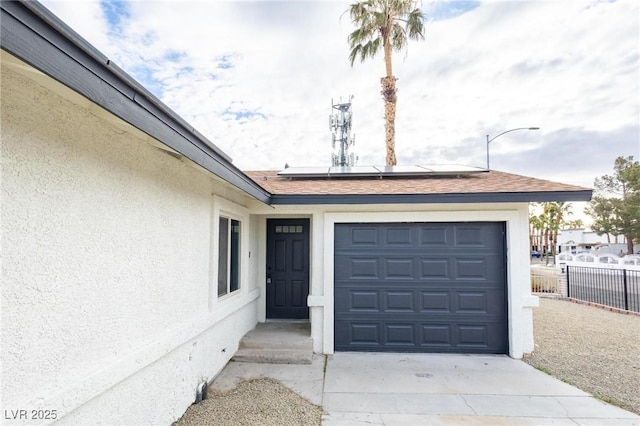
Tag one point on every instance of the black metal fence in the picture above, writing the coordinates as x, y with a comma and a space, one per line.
618, 288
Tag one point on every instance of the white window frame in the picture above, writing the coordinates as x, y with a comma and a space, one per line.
222, 208
232, 255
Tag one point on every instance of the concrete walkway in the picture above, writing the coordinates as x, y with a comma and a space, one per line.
433, 389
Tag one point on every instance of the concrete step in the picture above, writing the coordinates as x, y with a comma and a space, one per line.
274, 356
277, 343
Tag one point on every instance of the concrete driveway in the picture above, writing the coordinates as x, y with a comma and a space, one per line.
433, 389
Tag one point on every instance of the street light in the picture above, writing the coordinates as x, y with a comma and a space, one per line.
512, 130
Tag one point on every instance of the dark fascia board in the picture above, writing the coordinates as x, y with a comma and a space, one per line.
485, 197
33, 34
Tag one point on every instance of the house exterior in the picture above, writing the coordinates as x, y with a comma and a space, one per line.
135, 255
425, 245
581, 239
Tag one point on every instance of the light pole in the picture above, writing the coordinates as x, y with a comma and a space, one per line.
512, 130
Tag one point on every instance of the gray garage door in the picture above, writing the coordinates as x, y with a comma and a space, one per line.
420, 287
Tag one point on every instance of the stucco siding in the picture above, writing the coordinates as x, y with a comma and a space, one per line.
137, 400
106, 262
324, 218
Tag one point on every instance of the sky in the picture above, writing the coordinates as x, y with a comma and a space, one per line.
258, 78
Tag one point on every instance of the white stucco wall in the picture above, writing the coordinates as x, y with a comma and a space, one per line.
109, 305
324, 218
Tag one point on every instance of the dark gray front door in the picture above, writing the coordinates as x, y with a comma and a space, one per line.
287, 268
420, 287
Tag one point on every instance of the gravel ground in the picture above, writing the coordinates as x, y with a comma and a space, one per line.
591, 348
262, 402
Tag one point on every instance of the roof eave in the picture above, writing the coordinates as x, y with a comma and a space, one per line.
33, 34
482, 197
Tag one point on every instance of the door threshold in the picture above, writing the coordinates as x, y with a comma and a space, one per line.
301, 321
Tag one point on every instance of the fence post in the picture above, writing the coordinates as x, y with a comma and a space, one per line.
562, 283
626, 293
568, 283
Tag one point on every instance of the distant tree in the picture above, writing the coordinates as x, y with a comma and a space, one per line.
539, 232
553, 219
574, 224
535, 230
616, 206
603, 212
386, 24
544, 221
560, 211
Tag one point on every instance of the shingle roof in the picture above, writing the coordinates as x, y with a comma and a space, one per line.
480, 187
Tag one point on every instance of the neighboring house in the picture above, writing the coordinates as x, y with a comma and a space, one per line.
578, 240
136, 255
584, 239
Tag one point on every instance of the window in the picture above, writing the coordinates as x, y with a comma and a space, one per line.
289, 229
228, 256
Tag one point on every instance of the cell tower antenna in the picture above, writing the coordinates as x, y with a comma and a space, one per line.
340, 122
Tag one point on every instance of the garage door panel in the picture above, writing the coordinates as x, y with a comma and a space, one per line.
480, 235
443, 336
357, 300
436, 335
365, 334
372, 300
357, 268
420, 288
398, 334
467, 299
395, 267
470, 236
357, 235
434, 301
399, 301
399, 236
480, 337
439, 236
488, 268
475, 269
472, 301
434, 269
398, 268
364, 301
472, 335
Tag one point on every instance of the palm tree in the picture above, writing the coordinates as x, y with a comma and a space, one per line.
574, 224
561, 210
553, 215
544, 222
388, 24
535, 231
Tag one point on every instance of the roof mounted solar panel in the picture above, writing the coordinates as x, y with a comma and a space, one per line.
401, 170
355, 171
379, 171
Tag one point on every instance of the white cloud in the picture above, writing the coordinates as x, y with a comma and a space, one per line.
257, 79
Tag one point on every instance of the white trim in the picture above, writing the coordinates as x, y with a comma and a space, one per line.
329, 311
221, 207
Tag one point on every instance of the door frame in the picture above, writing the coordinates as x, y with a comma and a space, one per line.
307, 232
